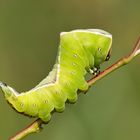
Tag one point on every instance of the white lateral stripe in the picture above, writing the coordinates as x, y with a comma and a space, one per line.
46, 85
93, 31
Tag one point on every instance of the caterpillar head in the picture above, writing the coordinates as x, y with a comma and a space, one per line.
103, 46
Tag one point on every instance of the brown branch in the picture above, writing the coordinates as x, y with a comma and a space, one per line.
32, 128
36, 125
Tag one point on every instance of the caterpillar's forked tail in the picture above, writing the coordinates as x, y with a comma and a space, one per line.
7, 90
11, 96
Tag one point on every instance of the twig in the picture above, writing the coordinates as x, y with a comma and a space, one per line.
36, 125
32, 128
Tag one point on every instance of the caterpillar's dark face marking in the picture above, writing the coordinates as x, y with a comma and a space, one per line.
80, 51
108, 55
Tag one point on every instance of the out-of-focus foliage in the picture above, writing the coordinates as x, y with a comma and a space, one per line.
29, 38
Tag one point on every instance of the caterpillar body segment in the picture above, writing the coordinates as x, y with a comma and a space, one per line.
80, 51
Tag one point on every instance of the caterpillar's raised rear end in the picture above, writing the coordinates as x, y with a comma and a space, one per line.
10, 95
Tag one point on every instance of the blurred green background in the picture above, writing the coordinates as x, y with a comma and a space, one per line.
29, 38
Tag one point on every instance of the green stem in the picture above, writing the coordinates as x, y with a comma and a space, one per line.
36, 125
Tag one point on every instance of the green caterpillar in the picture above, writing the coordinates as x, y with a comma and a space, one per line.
80, 52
